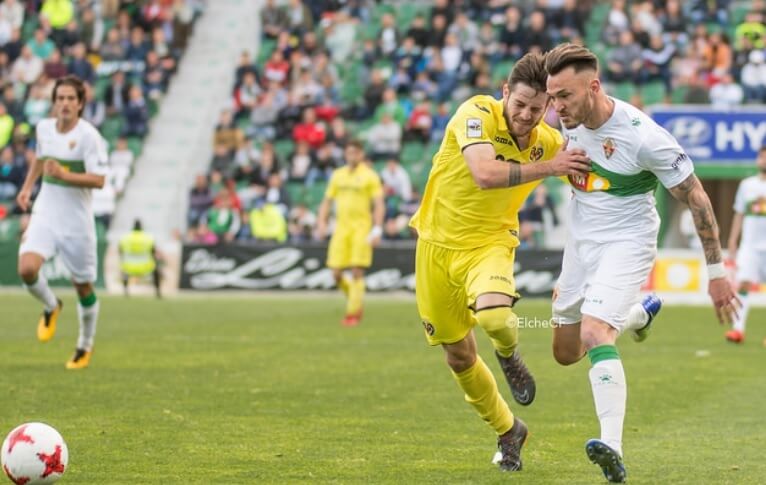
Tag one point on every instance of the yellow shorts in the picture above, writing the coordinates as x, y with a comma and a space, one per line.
349, 248
448, 281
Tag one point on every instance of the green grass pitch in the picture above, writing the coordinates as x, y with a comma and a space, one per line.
271, 389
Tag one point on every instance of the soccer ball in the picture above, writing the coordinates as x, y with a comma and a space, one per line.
34, 453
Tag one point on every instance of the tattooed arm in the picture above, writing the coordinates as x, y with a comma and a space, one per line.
691, 193
721, 291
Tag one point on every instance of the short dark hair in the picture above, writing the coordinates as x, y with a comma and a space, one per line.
570, 55
74, 82
137, 225
530, 70
356, 143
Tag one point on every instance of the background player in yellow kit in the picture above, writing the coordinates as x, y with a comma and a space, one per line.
358, 196
493, 154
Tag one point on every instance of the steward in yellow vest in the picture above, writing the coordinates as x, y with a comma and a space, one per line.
139, 257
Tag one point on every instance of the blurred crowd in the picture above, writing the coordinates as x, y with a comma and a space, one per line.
391, 73
125, 50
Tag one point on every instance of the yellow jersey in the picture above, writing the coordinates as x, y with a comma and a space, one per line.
353, 192
455, 213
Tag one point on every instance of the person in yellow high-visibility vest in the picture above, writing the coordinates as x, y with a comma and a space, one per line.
139, 257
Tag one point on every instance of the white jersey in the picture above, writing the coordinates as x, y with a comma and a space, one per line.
629, 153
751, 202
66, 208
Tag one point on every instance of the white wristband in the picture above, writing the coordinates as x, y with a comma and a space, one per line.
715, 271
375, 233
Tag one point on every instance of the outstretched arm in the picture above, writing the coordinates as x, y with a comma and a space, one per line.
721, 291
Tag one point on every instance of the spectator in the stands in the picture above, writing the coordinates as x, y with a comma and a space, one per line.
384, 140
94, 110
13, 47
263, 117
751, 32
37, 105
223, 161
419, 123
301, 222
617, 22
113, 49
91, 29
27, 68
227, 133
121, 164
299, 18
80, 66
136, 113
159, 43
390, 105
726, 94
54, 67
396, 180
273, 19
324, 165
309, 130
418, 31
13, 105
657, 59
624, 62
138, 46
223, 217
200, 200
717, 58
276, 68
754, 77
116, 94
438, 31
440, 120
276, 193
13, 12
300, 161
40, 45
533, 215
674, 24
339, 37
11, 175
6, 126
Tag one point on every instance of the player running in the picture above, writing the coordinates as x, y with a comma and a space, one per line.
354, 188
613, 229
750, 222
72, 159
494, 153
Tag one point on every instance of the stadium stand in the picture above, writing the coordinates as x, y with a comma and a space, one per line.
126, 51
392, 73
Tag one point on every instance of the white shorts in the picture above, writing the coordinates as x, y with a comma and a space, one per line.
77, 252
751, 265
601, 280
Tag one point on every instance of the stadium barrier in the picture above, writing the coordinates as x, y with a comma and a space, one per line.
301, 267
53, 269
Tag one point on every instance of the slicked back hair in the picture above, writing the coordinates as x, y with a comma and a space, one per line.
570, 55
530, 70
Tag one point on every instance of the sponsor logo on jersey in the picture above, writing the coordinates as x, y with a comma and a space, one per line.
473, 128
504, 279
536, 153
635, 121
502, 139
72, 144
608, 147
430, 330
589, 183
679, 160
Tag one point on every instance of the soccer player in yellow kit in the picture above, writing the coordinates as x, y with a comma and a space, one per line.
355, 188
493, 154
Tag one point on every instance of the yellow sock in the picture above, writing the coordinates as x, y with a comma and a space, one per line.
502, 328
480, 389
344, 286
355, 296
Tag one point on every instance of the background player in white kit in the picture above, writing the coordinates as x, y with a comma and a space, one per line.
613, 229
750, 222
72, 158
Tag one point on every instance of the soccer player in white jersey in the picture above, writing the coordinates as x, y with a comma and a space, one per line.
750, 222
613, 229
72, 159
